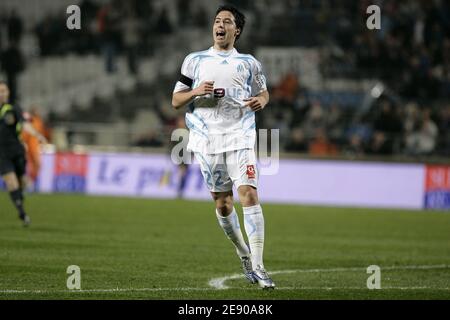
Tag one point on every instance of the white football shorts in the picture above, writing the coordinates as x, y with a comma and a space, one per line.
220, 171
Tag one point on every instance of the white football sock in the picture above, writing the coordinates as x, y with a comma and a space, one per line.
232, 229
254, 227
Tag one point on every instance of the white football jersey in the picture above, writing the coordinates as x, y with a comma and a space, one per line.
221, 122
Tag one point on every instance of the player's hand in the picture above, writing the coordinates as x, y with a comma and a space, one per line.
42, 139
206, 87
255, 103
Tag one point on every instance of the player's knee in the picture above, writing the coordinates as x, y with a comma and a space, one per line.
222, 210
224, 207
224, 204
11, 182
248, 196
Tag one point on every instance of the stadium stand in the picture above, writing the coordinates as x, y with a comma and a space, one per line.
358, 92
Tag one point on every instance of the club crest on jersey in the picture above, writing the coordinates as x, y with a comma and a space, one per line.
240, 68
251, 171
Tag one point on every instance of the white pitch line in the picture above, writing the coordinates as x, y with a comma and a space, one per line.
361, 288
105, 290
219, 283
205, 289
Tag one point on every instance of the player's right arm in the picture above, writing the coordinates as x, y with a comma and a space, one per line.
184, 97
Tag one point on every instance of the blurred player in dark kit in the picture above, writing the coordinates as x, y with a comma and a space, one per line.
12, 151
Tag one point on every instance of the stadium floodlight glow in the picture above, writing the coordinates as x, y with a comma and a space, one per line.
377, 90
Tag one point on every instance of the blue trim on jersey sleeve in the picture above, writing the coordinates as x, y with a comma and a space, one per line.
246, 57
196, 53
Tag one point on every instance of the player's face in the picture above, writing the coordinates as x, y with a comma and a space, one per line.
4, 93
224, 29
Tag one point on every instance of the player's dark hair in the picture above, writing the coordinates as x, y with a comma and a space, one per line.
239, 17
3, 82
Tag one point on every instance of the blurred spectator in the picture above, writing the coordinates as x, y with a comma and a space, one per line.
108, 21
32, 143
201, 17
89, 10
85, 40
279, 121
163, 24
321, 146
423, 140
387, 120
15, 27
286, 90
379, 144
12, 63
411, 117
315, 118
360, 128
300, 108
297, 141
355, 147
131, 34
46, 39
184, 12
444, 129
444, 119
388, 126
333, 121
2, 30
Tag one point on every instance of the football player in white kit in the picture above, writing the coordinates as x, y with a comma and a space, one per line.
224, 89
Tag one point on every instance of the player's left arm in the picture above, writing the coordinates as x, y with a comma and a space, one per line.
27, 126
260, 95
259, 102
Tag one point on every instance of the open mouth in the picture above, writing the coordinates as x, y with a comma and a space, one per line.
220, 34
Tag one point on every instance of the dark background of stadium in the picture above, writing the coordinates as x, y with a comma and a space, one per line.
110, 83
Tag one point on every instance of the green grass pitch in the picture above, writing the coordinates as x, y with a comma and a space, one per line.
172, 249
